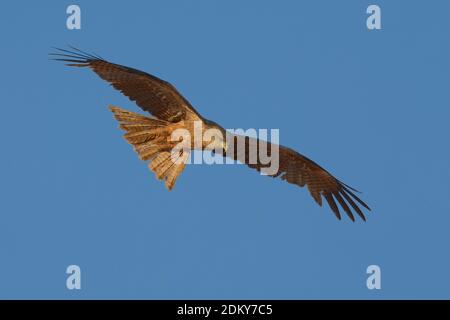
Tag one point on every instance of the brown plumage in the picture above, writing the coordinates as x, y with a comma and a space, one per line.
150, 136
299, 170
151, 140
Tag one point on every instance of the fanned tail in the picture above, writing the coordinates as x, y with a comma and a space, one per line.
150, 139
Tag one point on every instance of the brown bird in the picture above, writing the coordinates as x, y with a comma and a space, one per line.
151, 136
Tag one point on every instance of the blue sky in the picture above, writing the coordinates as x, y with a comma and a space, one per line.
370, 106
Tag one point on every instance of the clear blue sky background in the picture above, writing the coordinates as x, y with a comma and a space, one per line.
370, 106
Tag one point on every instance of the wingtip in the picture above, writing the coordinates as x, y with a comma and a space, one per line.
346, 188
351, 188
75, 55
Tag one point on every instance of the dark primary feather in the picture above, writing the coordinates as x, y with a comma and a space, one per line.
299, 170
150, 93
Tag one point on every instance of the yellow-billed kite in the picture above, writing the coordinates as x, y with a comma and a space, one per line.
151, 136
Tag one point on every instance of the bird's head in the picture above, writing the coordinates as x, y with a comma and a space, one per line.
216, 137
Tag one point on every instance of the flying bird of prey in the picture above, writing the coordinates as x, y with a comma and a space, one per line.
169, 111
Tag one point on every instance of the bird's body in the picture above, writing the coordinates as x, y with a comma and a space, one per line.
153, 136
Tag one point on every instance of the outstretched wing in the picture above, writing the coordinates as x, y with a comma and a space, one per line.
299, 170
152, 94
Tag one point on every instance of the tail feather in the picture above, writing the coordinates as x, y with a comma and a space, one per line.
147, 152
138, 137
158, 161
168, 168
128, 117
161, 169
149, 137
139, 127
173, 172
